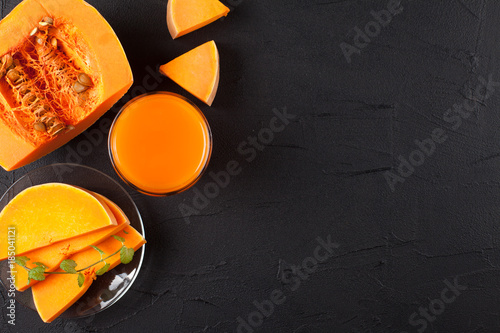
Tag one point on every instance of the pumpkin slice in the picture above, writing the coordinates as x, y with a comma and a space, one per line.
197, 71
184, 16
52, 255
78, 41
58, 292
48, 213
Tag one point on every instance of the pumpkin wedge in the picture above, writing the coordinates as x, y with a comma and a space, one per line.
197, 71
48, 213
52, 255
58, 292
61, 68
185, 16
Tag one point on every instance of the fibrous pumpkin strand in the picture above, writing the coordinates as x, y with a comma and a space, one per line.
30, 97
54, 87
56, 65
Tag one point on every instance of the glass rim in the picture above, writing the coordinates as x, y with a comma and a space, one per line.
206, 158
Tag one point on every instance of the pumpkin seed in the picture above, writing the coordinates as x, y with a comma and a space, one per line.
40, 111
84, 80
53, 42
13, 75
7, 60
23, 89
46, 21
79, 88
34, 31
29, 98
56, 128
39, 41
58, 131
48, 121
39, 127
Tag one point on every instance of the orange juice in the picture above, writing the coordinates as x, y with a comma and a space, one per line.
160, 143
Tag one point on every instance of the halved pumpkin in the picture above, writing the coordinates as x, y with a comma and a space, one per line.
52, 255
61, 68
48, 213
58, 292
185, 16
197, 71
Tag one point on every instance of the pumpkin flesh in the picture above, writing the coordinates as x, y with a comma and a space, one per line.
58, 292
48, 213
197, 71
52, 255
185, 16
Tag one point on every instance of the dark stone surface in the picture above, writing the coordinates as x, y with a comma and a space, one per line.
324, 174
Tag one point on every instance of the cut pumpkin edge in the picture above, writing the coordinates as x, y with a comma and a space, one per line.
111, 230
88, 278
215, 85
172, 27
209, 97
87, 194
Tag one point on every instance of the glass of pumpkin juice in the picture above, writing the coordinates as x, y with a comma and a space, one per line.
160, 143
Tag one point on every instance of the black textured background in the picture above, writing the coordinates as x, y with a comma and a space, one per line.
323, 175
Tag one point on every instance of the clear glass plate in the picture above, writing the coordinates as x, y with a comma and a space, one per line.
110, 287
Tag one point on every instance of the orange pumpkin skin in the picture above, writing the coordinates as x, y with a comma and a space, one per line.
102, 55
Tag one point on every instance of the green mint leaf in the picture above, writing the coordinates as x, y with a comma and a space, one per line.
81, 279
68, 265
21, 261
118, 238
36, 274
103, 269
39, 264
126, 233
126, 255
101, 252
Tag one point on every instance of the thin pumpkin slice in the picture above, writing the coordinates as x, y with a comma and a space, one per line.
58, 292
52, 255
185, 16
48, 213
197, 71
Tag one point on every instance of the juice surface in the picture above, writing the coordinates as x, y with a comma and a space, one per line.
160, 143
